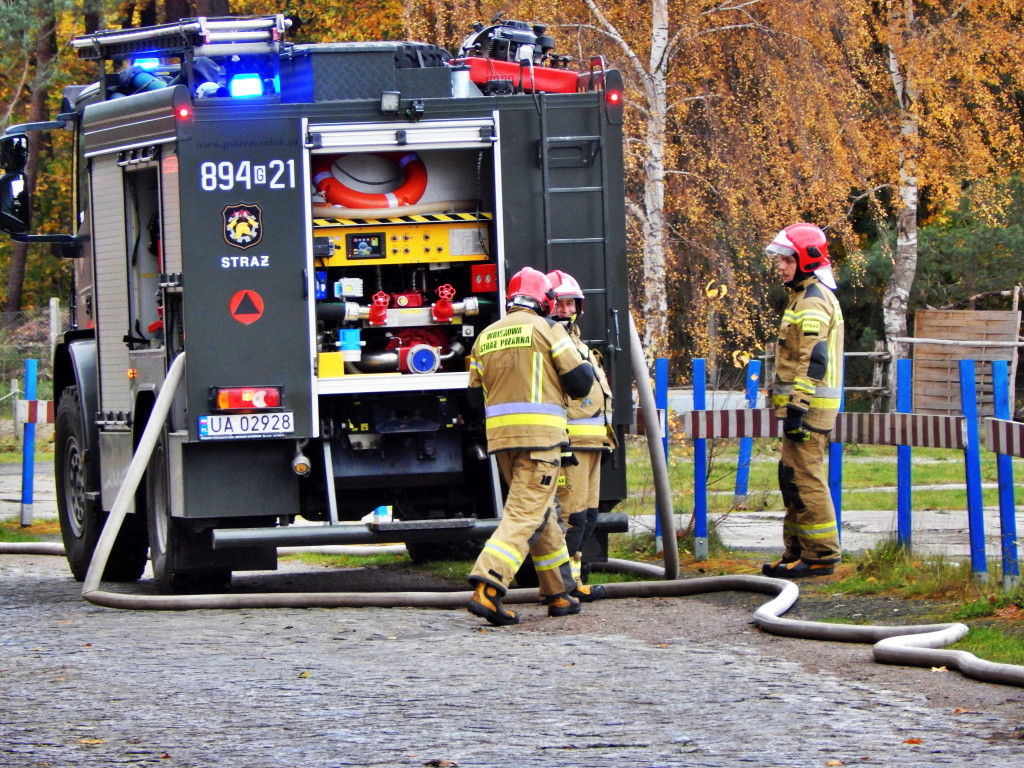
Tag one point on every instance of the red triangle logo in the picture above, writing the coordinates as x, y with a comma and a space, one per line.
246, 306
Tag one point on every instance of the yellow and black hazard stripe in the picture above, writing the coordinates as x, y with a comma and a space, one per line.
421, 218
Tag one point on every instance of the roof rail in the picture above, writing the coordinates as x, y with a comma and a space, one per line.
200, 36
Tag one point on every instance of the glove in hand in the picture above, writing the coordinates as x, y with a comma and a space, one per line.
793, 426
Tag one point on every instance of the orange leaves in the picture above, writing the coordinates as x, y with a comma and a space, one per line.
1012, 611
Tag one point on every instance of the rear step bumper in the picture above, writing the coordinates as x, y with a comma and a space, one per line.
453, 529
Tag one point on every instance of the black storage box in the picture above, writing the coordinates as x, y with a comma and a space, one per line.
352, 71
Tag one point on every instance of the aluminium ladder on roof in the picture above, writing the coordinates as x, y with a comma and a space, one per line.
199, 37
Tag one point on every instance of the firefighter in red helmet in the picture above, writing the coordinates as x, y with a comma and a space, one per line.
522, 368
591, 437
806, 394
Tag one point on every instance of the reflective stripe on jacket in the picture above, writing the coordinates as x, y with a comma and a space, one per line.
518, 362
590, 417
809, 355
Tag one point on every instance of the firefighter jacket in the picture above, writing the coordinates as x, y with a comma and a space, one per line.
521, 369
590, 418
809, 355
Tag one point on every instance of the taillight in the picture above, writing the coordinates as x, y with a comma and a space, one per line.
246, 398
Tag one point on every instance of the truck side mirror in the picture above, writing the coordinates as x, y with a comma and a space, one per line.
13, 151
15, 208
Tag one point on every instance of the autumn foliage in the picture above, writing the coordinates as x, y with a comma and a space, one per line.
867, 117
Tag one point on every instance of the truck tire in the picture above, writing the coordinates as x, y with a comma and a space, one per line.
81, 518
429, 551
167, 536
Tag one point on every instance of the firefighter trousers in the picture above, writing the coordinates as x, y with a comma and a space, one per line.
809, 529
529, 525
579, 493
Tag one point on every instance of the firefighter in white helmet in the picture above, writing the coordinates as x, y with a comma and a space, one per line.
806, 395
521, 369
591, 438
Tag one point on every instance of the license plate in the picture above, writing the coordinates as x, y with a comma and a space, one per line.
239, 425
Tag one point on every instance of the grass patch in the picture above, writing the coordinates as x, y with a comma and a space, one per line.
992, 644
890, 569
11, 444
349, 561
450, 570
40, 530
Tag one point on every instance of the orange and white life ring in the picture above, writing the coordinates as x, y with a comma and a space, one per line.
414, 182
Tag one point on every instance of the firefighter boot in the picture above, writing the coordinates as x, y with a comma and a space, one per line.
800, 569
586, 593
581, 591
768, 569
486, 603
561, 605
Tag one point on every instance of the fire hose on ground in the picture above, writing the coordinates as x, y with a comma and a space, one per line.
921, 645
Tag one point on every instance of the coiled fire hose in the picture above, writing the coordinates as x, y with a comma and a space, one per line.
922, 645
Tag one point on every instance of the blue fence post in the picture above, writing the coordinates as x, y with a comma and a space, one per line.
904, 404
1004, 466
739, 499
28, 449
972, 469
835, 463
700, 467
661, 405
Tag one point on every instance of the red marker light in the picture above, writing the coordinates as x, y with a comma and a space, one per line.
184, 112
614, 98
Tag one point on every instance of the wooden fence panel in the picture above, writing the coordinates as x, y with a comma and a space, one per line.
937, 366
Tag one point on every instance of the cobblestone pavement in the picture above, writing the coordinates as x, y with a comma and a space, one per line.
656, 682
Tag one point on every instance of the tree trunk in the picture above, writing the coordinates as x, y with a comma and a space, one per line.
896, 299
44, 53
653, 249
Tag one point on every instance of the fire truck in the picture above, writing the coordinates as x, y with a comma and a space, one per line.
322, 230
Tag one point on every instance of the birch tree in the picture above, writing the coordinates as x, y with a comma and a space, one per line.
955, 70
652, 77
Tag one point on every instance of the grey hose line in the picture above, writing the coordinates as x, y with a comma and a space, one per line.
31, 548
906, 645
136, 470
659, 467
914, 646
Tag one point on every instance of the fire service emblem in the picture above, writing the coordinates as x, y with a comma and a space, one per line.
243, 225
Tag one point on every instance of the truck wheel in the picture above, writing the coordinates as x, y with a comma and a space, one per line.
163, 532
167, 536
81, 519
429, 551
